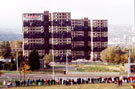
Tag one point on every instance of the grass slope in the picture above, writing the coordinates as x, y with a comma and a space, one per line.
98, 68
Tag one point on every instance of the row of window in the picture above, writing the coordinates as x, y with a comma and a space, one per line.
28, 41
61, 14
100, 34
99, 44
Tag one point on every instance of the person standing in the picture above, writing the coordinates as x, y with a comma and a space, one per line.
4, 83
121, 78
8, 84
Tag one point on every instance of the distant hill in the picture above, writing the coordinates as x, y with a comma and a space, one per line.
10, 34
118, 31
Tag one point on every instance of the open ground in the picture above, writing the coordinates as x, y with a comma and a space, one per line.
84, 86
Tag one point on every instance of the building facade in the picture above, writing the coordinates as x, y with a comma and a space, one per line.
58, 34
81, 38
61, 30
99, 39
36, 33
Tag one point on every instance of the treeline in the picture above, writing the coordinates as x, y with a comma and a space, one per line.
8, 51
117, 55
6, 48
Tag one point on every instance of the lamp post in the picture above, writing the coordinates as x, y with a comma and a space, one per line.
53, 74
66, 62
129, 58
129, 63
134, 15
17, 60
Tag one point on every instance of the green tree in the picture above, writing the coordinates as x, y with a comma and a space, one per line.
47, 59
34, 60
12, 60
7, 52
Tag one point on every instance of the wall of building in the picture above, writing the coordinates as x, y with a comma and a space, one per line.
60, 35
99, 38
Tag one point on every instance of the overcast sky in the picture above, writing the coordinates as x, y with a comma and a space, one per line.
116, 11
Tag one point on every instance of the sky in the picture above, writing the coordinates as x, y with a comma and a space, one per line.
116, 11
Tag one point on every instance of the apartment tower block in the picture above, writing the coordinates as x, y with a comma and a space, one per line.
58, 34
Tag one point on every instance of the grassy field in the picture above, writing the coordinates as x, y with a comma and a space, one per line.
85, 86
45, 71
98, 68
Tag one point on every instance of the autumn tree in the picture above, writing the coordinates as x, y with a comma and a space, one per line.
2, 44
12, 44
0, 72
132, 56
18, 44
117, 58
108, 54
114, 55
24, 68
2, 48
47, 59
124, 58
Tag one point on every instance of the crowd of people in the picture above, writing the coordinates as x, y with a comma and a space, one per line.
67, 81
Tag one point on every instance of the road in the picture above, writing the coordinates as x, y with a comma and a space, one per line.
10, 76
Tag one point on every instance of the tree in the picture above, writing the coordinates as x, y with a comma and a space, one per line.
12, 60
18, 44
47, 59
2, 44
114, 55
133, 57
108, 54
124, 58
117, 58
24, 68
12, 44
6, 66
34, 60
2, 48
9, 66
0, 72
7, 52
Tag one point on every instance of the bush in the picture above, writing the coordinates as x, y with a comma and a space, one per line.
12, 66
9, 66
115, 55
6, 66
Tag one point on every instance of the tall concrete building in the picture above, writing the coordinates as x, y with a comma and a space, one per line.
36, 33
81, 38
99, 39
61, 30
62, 36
